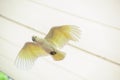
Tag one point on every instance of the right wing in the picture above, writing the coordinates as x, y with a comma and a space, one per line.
59, 36
28, 54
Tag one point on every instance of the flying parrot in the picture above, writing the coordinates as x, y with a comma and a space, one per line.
56, 38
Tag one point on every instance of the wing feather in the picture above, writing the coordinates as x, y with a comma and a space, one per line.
28, 54
60, 35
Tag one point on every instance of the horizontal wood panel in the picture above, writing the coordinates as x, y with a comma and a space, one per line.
79, 64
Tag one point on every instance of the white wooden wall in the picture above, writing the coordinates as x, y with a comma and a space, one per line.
95, 57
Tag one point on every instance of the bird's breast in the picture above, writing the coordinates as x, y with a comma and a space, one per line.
46, 46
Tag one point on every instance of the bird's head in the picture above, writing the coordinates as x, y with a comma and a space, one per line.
36, 39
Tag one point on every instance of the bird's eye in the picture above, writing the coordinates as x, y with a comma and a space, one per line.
52, 52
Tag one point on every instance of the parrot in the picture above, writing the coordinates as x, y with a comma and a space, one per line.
50, 45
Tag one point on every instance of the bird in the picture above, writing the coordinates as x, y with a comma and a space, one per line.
50, 45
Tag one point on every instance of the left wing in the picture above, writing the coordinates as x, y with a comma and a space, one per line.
28, 54
60, 35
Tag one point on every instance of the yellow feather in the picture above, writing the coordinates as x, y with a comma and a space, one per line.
28, 54
58, 56
60, 35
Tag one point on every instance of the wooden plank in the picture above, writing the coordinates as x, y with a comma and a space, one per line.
100, 11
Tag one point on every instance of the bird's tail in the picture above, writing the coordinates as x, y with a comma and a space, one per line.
58, 56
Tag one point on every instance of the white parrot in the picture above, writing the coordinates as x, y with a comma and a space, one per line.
56, 38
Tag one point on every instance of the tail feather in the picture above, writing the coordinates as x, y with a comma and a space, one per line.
58, 56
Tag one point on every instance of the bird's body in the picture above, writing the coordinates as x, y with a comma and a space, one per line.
56, 38
44, 44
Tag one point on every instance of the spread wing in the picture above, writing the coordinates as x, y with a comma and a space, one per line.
28, 54
60, 35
